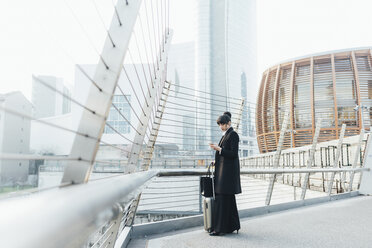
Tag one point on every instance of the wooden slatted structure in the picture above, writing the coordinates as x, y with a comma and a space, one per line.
327, 86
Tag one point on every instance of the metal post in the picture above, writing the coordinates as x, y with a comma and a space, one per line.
277, 157
357, 151
366, 182
343, 179
110, 241
133, 210
321, 166
145, 116
293, 158
200, 200
239, 117
337, 158
155, 128
283, 168
311, 157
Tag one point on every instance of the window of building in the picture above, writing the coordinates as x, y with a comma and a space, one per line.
342, 65
302, 70
347, 115
363, 63
285, 74
323, 66
116, 119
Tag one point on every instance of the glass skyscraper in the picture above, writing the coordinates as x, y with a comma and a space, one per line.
225, 50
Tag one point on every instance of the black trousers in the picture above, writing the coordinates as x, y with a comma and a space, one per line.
225, 214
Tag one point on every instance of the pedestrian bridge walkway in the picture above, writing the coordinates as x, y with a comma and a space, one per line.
341, 223
160, 151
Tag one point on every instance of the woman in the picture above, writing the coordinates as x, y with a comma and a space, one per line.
227, 179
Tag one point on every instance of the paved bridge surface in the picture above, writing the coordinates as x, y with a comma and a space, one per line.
341, 223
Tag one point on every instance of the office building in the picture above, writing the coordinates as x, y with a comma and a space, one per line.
46, 101
14, 138
225, 51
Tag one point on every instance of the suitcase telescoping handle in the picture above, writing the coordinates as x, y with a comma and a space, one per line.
211, 174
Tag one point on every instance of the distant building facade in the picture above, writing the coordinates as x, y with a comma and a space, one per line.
48, 102
42, 144
14, 138
61, 144
328, 85
119, 121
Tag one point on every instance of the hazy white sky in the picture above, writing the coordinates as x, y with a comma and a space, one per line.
38, 35
292, 28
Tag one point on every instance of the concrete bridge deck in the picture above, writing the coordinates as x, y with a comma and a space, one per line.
341, 223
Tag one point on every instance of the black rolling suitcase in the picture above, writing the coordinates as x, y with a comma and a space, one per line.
208, 213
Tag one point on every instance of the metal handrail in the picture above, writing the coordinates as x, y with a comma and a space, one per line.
66, 216
200, 172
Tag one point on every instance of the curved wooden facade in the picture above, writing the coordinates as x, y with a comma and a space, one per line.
327, 85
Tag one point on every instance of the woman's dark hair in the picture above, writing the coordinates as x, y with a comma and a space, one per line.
227, 113
223, 119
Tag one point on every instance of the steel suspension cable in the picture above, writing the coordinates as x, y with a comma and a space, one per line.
103, 23
90, 79
197, 101
153, 25
157, 22
182, 105
143, 67
116, 13
205, 98
180, 109
118, 86
61, 47
66, 96
86, 33
122, 115
144, 43
212, 94
139, 80
165, 131
134, 91
113, 146
10, 111
199, 128
120, 134
173, 114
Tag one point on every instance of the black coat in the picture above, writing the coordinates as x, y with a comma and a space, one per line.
227, 167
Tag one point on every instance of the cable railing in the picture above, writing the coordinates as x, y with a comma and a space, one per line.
351, 155
108, 205
126, 115
124, 201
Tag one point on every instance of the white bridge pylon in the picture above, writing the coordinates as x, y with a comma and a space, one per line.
102, 90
